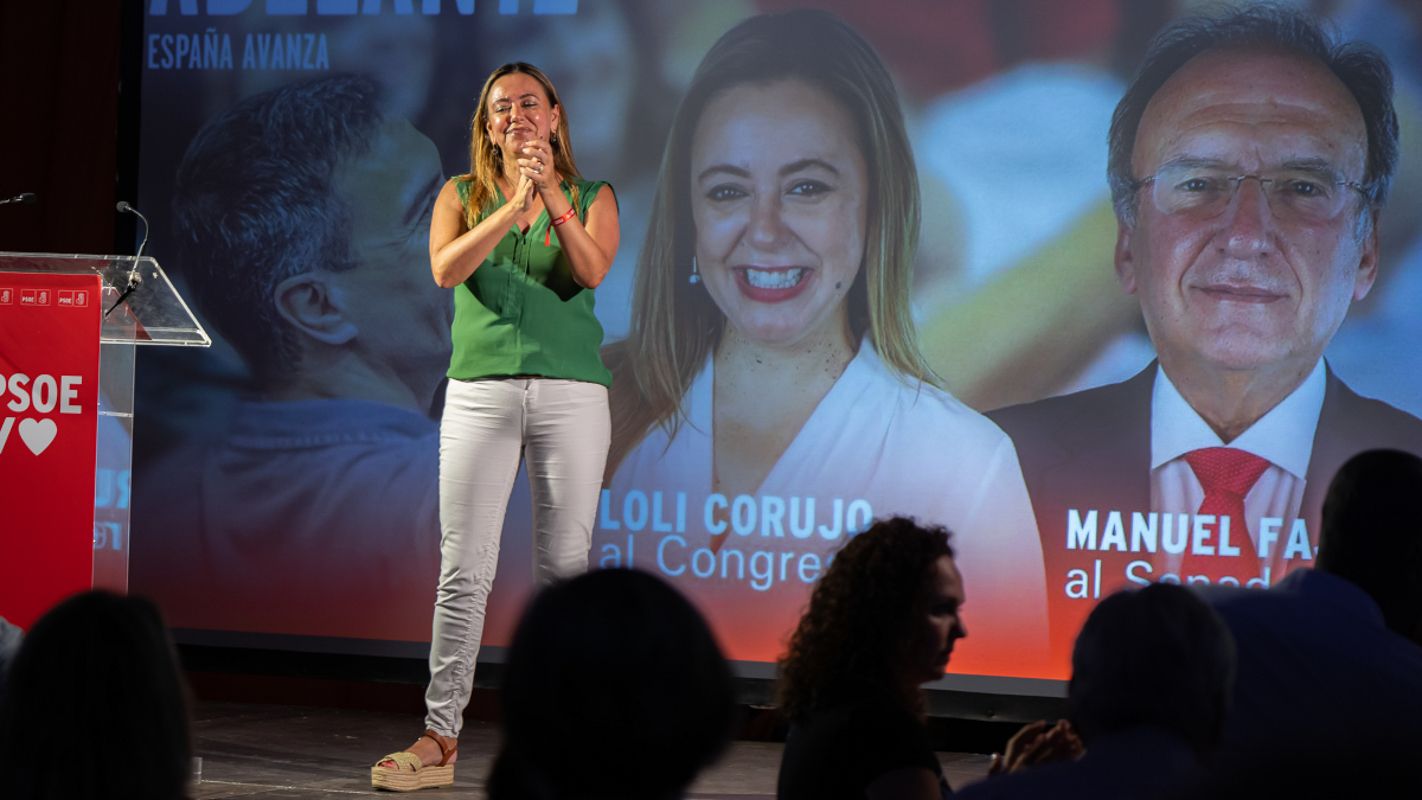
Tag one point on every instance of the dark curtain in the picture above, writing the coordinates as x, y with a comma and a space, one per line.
63, 129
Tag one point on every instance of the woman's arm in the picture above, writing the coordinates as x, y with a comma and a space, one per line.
456, 251
590, 245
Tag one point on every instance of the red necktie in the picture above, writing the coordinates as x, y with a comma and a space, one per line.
1226, 474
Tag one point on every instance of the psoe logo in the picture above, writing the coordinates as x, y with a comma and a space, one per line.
72, 298
44, 394
7, 296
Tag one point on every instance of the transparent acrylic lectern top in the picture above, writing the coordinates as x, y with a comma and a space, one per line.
153, 313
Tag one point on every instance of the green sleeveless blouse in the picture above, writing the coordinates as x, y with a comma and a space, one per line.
521, 312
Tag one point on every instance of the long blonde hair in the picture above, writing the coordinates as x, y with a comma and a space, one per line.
675, 326
485, 158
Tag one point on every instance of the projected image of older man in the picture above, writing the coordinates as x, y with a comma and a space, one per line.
1250, 161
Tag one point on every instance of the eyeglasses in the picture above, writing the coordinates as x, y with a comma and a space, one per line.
1301, 195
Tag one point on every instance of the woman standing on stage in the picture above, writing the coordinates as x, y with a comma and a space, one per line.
523, 240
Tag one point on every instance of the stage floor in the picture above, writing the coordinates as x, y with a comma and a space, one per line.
294, 753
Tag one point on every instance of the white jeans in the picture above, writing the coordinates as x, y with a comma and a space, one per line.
563, 430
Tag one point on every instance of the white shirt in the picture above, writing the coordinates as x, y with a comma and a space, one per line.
1283, 437
902, 449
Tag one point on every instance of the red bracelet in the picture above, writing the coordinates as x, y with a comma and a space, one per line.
548, 235
567, 215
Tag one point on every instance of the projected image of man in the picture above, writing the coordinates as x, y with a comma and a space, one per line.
302, 215
1250, 161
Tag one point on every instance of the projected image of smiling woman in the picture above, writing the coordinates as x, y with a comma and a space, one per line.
772, 353
778, 201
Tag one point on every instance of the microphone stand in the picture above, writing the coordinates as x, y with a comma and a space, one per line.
135, 279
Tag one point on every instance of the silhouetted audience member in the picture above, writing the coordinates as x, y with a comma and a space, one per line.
10, 636
881, 622
1329, 694
1151, 676
95, 706
615, 688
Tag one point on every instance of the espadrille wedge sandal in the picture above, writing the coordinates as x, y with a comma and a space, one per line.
410, 773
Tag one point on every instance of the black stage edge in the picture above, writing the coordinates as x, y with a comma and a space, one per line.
959, 721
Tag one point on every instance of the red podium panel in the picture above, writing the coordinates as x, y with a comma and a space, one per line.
49, 396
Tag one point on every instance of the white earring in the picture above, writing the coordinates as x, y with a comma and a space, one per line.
695, 276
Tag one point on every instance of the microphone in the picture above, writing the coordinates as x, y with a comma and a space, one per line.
124, 207
24, 199
134, 278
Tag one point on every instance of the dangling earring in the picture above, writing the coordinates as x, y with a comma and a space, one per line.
695, 277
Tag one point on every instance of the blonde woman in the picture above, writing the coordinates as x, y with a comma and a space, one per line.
522, 240
770, 398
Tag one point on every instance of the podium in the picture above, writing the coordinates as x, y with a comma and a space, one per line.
69, 330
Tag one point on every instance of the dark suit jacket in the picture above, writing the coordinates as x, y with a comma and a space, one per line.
1141, 763
1091, 450
1326, 698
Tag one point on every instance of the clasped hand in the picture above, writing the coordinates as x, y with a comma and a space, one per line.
536, 171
